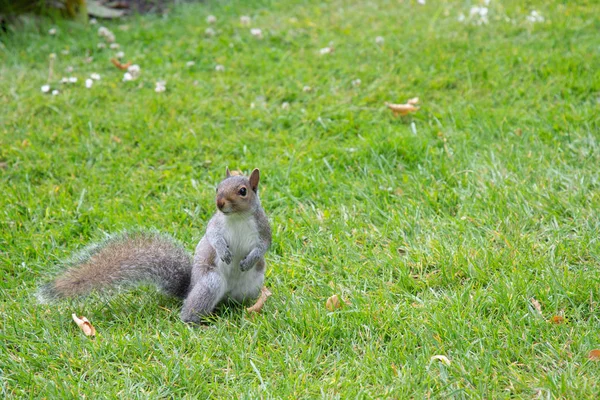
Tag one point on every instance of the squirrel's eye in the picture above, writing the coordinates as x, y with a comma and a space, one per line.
242, 191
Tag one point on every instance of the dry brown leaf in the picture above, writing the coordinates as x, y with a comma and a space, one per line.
402, 109
333, 303
85, 325
557, 319
264, 294
594, 355
441, 358
116, 139
118, 64
536, 304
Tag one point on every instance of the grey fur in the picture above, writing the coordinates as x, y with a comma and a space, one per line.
148, 256
123, 260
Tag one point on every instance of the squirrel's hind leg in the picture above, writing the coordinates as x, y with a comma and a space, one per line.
207, 290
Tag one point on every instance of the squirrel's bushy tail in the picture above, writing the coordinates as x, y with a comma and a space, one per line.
123, 260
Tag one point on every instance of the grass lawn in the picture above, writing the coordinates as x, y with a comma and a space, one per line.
442, 229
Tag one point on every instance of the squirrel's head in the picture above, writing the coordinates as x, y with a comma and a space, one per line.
237, 193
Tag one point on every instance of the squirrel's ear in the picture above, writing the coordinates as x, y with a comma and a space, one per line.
254, 178
227, 172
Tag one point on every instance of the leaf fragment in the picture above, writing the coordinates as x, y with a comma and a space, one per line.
402, 109
594, 355
442, 359
536, 304
557, 319
85, 325
118, 64
264, 294
333, 303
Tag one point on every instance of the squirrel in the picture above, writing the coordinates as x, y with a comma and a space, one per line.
228, 262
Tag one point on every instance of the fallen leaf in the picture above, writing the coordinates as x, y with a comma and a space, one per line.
264, 294
85, 325
594, 355
557, 319
536, 304
394, 369
118, 64
401, 109
25, 143
333, 303
96, 9
518, 132
116, 139
441, 358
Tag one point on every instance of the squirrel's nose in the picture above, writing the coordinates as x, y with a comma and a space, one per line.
220, 203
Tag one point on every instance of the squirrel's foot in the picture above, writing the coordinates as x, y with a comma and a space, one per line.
246, 264
226, 256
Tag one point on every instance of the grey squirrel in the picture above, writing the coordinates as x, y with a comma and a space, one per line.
228, 262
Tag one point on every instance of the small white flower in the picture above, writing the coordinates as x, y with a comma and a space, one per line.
306, 89
421, 2
93, 21
64, 52
209, 32
161, 86
120, 55
285, 105
127, 77
190, 64
95, 76
219, 68
89, 83
461, 17
45, 88
101, 45
64, 80
479, 15
69, 69
379, 40
256, 32
535, 17
356, 82
88, 59
55, 92
106, 34
114, 46
52, 56
326, 50
211, 19
245, 20
52, 31
134, 70
72, 79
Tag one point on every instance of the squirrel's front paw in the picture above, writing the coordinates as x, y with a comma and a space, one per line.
226, 256
246, 264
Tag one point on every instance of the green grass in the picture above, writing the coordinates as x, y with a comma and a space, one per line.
439, 227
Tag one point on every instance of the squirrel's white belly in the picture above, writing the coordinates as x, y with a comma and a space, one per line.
242, 236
